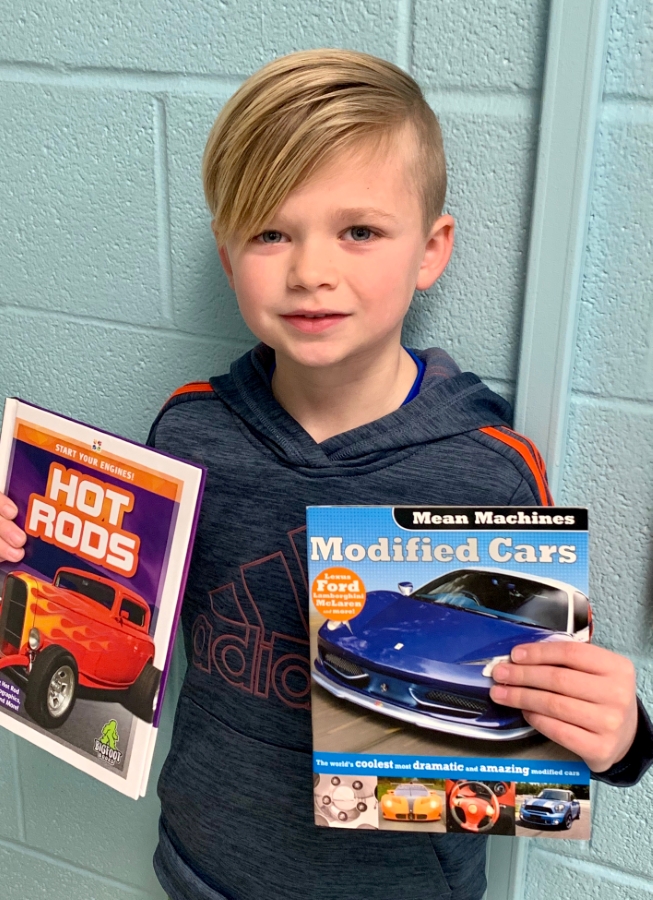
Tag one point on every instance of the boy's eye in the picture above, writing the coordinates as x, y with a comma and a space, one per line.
360, 233
270, 237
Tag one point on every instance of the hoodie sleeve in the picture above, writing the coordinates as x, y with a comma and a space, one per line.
524, 495
629, 770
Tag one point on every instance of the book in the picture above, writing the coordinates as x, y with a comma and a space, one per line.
410, 610
88, 616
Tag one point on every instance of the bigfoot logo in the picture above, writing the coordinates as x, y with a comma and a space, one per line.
106, 746
257, 639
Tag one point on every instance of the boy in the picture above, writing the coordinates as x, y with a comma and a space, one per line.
325, 175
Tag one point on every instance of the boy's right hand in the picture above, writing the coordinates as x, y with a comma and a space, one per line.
12, 537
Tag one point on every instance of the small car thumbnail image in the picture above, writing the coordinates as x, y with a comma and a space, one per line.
480, 807
412, 805
425, 655
345, 801
557, 808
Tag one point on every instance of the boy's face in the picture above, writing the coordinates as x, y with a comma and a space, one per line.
331, 277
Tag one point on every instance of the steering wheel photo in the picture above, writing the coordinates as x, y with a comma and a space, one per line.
472, 801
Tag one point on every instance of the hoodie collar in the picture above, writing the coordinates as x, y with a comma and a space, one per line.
450, 402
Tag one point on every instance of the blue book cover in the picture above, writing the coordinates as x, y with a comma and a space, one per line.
410, 610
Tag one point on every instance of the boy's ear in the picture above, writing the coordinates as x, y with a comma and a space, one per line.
437, 253
223, 253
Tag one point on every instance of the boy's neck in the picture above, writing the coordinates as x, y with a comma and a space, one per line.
331, 400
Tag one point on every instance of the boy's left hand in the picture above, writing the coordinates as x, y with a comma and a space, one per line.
578, 695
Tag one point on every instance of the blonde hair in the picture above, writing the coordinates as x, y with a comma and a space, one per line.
288, 118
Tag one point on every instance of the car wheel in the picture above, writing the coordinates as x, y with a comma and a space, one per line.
141, 696
569, 820
52, 687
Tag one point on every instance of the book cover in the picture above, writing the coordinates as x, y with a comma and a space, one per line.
410, 610
87, 617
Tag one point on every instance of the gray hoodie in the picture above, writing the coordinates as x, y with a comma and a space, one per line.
236, 789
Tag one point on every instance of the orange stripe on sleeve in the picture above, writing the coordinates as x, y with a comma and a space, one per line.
529, 454
192, 387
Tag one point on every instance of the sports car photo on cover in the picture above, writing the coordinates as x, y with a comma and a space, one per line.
411, 802
425, 656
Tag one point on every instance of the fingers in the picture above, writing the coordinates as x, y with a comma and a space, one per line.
590, 716
12, 538
573, 655
579, 695
555, 679
578, 740
8, 509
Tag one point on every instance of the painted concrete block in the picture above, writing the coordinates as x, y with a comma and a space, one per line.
549, 875
26, 875
201, 36
10, 813
629, 63
474, 310
116, 378
615, 333
73, 817
480, 45
608, 468
622, 837
79, 216
203, 301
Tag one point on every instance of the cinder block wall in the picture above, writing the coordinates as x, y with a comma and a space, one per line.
609, 463
111, 296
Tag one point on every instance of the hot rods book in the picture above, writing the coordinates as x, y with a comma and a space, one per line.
87, 617
410, 610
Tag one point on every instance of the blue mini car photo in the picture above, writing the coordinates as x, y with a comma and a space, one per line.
552, 808
426, 656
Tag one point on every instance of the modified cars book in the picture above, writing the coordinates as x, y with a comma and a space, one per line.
410, 610
87, 617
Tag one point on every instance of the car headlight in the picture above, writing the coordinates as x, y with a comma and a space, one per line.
387, 802
559, 807
34, 639
488, 664
433, 804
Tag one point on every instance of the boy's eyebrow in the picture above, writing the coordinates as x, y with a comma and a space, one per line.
362, 212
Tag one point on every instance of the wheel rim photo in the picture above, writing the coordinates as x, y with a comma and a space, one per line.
60, 691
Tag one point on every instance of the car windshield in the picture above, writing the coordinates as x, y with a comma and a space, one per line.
411, 790
501, 596
553, 795
88, 587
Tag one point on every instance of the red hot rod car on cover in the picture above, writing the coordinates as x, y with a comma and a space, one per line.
82, 635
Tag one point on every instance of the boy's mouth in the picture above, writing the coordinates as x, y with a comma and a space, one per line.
314, 322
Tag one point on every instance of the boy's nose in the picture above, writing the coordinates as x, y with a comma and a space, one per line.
312, 267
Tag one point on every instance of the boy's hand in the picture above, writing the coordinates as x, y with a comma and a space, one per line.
579, 695
12, 537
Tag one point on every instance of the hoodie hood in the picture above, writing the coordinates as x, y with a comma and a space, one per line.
450, 402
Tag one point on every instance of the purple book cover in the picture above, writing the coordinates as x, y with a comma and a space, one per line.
88, 616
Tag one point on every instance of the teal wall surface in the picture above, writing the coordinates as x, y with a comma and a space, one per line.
111, 296
609, 459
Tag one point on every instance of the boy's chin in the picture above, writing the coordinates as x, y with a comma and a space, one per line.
313, 359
